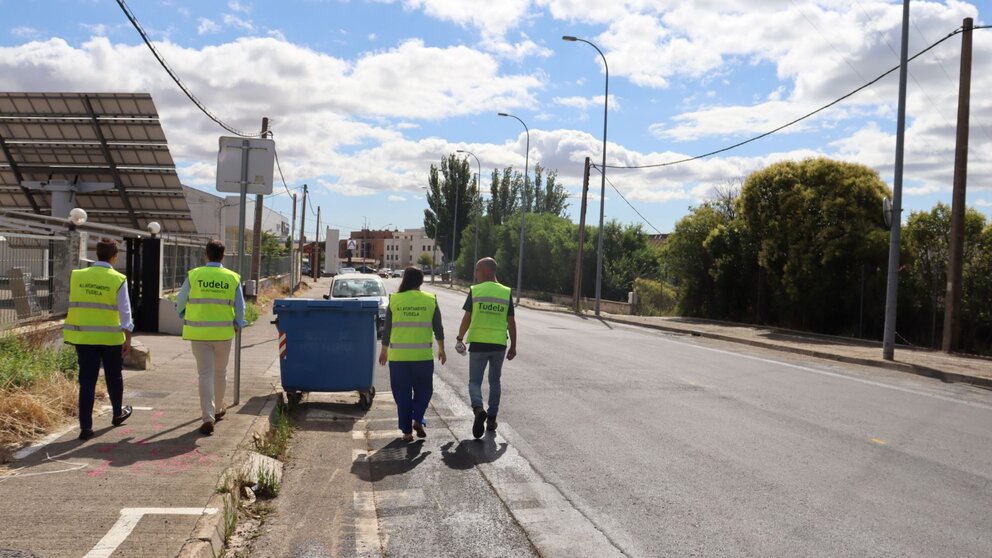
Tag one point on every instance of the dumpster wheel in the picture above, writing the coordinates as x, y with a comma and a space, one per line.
365, 398
294, 397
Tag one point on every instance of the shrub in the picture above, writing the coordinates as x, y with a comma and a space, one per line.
657, 298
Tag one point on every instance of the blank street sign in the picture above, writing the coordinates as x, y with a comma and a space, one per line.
261, 160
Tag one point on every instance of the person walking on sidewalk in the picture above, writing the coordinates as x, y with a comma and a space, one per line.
99, 326
212, 307
488, 318
406, 345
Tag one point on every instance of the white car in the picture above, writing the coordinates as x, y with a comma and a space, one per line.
346, 270
361, 286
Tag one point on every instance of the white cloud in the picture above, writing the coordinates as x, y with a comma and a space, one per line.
276, 34
236, 6
231, 20
395, 198
205, 26
586, 103
372, 36
25, 32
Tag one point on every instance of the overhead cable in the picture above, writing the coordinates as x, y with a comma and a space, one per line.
643, 218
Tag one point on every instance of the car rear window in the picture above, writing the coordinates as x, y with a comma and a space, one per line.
345, 288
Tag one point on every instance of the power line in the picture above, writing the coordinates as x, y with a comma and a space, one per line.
797, 120
175, 77
643, 218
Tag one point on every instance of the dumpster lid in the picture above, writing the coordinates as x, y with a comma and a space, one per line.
300, 304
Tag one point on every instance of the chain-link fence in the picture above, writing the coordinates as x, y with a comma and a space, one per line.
181, 255
28, 289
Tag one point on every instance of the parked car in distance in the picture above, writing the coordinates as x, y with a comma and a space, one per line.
358, 286
384, 272
346, 270
396, 273
305, 268
365, 269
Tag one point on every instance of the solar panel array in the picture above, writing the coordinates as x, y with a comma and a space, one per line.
91, 137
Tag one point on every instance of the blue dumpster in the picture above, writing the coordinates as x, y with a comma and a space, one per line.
327, 346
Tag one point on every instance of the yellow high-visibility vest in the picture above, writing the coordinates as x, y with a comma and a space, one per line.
411, 331
93, 317
210, 307
490, 308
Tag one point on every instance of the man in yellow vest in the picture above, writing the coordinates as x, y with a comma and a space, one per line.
99, 326
212, 307
488, 319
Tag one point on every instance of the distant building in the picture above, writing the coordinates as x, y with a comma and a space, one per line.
217, 217
369, 246
405, 248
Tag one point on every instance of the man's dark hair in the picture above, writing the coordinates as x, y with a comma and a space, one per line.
106, 249
413, 278
215, 251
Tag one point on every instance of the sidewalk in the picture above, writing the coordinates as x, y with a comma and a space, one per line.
935, 364
139, 489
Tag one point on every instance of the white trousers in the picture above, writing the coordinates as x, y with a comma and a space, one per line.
211, 364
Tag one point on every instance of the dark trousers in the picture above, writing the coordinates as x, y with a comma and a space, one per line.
413, 385
90, 357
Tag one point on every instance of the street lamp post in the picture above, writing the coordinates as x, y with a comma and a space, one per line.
523, 208
478, 199
602, 171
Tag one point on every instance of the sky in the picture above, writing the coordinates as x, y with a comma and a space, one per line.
364, 95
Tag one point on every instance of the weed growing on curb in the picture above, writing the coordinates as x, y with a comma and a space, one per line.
268, 484
276, 441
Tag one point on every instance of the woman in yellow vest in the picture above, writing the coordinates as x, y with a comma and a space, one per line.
406, 345
99, 325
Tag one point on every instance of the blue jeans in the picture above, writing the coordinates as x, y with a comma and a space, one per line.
477, 362
90, 357
412, 384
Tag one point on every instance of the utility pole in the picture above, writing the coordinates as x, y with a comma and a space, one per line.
892, 284
303, 224
292, 259
577, 289
316, 249
952, 302
256, 234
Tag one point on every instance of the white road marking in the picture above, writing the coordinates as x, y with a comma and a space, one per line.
109, 408
830, 374
374, 434
128, 520
24, 452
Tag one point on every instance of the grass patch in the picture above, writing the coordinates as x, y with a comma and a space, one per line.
268, 484
252, 312
38, 390
276, 441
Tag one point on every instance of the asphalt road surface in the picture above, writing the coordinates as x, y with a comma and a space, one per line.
617, 440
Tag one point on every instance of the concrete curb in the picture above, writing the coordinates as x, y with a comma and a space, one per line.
210, 533
949, 377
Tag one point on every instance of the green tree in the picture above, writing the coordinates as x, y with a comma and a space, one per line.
546, 195
424, 259
818, 223
504, 195
447, 183
271, 245
686, 262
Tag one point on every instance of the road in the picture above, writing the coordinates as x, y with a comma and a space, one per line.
618, 440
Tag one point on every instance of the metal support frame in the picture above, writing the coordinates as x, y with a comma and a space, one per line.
18, 176
105, 149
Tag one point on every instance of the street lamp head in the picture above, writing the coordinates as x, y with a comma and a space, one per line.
569, 38
460, 151
502, 114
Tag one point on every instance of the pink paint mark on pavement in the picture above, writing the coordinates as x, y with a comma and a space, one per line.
99, 470
158, 414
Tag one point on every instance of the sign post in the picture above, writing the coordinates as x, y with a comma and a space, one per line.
238, 170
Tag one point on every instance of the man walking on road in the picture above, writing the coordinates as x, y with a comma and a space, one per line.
488, 318
99, 325
212, 307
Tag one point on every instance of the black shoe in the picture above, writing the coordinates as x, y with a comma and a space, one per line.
480, 423
419, 429
207, 428
219, 416
491, 424
125, 413
85, 434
